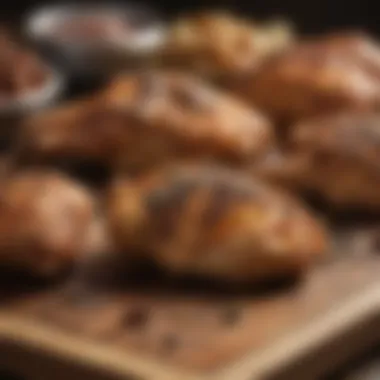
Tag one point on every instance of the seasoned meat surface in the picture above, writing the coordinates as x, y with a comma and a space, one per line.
336, 157
214, 222
46, 222
149, 118
328, 74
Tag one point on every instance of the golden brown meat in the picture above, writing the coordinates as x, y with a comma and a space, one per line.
329, 74
214, 222
148, 118
337, 157
220, 44
47, 221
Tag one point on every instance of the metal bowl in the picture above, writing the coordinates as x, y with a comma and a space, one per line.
86, 58
15, 108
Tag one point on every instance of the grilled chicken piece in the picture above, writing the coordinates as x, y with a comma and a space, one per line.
337, 157
332, 73
214, 222
219, 44
47, 221
148, 118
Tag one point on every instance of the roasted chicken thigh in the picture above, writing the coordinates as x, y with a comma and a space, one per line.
210, 221
47, 221
336, 157
147, 119
328, 74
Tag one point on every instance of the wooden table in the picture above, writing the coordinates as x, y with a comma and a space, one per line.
366, 367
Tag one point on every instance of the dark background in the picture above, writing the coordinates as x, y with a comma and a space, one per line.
309, 16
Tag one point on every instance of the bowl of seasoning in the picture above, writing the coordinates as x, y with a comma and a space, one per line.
91, 40
27, 83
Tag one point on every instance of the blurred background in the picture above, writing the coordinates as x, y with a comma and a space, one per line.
309, 16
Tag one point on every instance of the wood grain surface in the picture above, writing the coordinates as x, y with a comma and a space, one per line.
168, 330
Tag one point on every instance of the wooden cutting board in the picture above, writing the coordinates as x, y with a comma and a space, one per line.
176, 331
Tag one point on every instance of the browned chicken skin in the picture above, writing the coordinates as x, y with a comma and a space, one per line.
215, 222
332, 73
336, 157
150, 118
47, 222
